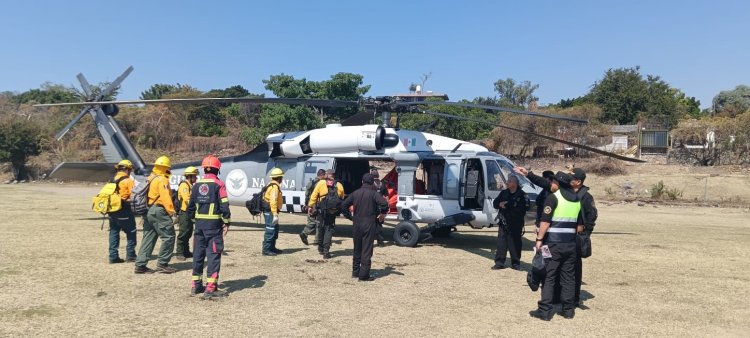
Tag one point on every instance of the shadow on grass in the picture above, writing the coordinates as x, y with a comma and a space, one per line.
242, 284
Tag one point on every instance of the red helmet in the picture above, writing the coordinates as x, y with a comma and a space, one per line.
211, 161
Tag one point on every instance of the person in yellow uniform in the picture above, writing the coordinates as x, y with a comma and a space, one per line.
272, 202
122, 219
326, 207
158, 220
182, 248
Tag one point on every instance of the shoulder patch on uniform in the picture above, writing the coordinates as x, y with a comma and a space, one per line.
548, 210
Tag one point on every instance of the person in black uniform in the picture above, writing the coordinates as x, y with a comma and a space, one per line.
369, 208
590, 214
513, 204
380, 187
561, 217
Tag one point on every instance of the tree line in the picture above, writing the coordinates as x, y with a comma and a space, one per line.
621, 96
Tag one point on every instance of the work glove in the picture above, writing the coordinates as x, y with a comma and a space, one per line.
275, 220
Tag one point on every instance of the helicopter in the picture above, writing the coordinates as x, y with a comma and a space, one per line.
438, 181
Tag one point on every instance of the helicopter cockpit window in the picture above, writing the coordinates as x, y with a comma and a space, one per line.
507, 170
495, 178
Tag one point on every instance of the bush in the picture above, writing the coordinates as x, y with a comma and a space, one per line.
607, 167
660, 190
657, 190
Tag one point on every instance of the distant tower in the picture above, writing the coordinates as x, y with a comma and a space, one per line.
418, 90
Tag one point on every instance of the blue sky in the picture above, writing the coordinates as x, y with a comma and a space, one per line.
700, 47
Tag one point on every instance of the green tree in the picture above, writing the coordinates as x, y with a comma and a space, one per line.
625, 96
159, 90
19, 139
732, 102
515, 94
47, 93
279, 118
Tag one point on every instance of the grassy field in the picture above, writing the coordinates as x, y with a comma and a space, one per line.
656, 271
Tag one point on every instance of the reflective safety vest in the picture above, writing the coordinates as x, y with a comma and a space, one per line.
210, 207
562, 229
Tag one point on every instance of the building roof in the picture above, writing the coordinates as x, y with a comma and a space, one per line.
624, 129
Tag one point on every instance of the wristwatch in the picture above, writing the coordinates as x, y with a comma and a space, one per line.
539, 239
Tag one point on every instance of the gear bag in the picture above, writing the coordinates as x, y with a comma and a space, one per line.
332, 203
257, 204
585, 245
140, 198
108, 199
176, 200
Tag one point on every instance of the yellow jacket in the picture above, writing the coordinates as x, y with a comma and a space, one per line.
159, 192
274, 197
184, 192
125, 186
321, 191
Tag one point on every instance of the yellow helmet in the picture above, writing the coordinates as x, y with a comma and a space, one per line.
124, 164
276, 172
163, 161
191, 171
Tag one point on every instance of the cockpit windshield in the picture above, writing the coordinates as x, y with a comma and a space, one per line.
507, 169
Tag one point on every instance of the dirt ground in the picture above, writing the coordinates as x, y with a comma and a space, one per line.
656, 271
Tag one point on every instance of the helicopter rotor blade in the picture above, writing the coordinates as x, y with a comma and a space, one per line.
573, 144
306, 102
70, 124
496, 108
115, 84
84, 85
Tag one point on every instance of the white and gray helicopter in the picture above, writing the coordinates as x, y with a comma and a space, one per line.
439, 182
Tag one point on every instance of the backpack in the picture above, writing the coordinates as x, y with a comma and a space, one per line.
108, 199
257, 205
310, 188
332, 202
176, 200
140, 198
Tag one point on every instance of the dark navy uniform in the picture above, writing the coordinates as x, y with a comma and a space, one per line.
590, 214
562, 210
209, 207
368, 203
510, 230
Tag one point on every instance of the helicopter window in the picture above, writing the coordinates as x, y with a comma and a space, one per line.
495, 178
451, 180
507, 169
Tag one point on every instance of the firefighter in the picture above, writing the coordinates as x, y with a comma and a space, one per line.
326, 210
186, 223
380, 187
209, 207
123, 219
312, 222
512, 204
370, 208
561, 218
273, 200
158, 220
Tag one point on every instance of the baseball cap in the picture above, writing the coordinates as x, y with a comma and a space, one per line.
578, 174
368, 179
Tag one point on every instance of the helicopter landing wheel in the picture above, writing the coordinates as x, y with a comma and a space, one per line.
406, 234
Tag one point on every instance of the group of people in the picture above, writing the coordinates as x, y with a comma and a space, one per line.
201, 209
565, 217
